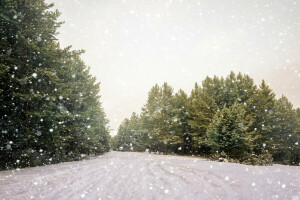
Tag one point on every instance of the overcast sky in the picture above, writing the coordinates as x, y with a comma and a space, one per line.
133, 44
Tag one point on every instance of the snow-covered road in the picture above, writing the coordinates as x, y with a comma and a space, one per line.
127, 175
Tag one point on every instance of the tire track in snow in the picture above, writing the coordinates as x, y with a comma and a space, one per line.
123, 175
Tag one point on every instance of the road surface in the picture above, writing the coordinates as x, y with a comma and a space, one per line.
129, 175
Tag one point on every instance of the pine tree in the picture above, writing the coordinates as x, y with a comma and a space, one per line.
27, 35
179, 122
229, 132
150, 117
214, 88
234, 88
202, 109
285, 137
38, 94
262, 110
165, 115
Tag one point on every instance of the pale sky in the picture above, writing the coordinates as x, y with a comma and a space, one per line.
133, 44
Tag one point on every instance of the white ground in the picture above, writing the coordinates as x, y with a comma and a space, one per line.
123, 175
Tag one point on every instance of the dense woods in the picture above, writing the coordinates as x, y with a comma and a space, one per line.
50, 109
224, 118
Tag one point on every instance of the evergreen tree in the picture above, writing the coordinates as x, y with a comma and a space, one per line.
234, 88
131, 135
262, 110
27, 37
180, 128
229, 132
164, 115
44, 110
214, 87
202, 109
150, 117
285, 137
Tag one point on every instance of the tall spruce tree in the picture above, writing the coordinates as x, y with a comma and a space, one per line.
201, 110
229, 132
285, 137
180, 128
165, 115
262, 109
150, 117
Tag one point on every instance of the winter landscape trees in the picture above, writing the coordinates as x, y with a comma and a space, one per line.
227, 117
50, 109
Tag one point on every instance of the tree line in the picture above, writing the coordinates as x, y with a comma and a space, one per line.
223, 118
50, 109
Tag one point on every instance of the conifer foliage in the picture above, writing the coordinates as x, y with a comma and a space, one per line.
50, 109
224, 118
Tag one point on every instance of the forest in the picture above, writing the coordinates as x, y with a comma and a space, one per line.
50, 105
51, 110
227, 118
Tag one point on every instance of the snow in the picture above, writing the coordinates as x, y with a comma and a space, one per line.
130, 175
38, 133
39, 39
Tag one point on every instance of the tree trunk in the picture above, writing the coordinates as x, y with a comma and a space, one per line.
193, 149
166, 149
183, 146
